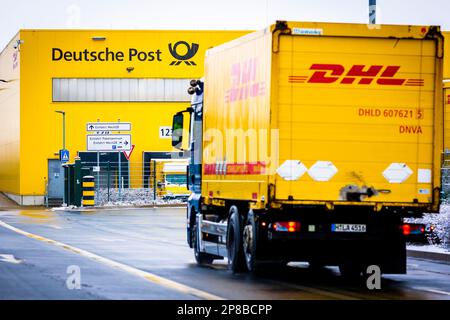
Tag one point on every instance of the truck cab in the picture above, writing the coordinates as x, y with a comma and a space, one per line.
192, 137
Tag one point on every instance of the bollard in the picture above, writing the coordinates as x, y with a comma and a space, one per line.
88, 191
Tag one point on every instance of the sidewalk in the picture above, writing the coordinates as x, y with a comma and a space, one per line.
6, 203
429, 252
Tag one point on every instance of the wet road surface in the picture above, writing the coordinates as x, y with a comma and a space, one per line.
142, 254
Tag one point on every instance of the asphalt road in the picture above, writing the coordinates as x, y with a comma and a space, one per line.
142, 254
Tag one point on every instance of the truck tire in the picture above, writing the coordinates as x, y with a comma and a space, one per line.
191, 216
200, 257
236, 260
250, 243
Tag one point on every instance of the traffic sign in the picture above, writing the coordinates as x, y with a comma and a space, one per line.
108, 126
128, 153
111, 142
64, 155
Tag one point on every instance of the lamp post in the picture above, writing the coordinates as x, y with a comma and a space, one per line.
372, 11
64, 127
63, 148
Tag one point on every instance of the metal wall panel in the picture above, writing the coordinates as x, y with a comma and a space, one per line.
120, 90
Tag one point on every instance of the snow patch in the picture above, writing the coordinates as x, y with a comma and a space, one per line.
128, 197
441, 222
428, 248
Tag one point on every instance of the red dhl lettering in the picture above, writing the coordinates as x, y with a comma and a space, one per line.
357, 74
244, 84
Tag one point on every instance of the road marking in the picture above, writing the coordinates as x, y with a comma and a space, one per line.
335, 295
342, 294
9, 258
433, 290
120, 266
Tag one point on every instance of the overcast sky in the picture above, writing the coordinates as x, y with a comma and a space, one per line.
207, 14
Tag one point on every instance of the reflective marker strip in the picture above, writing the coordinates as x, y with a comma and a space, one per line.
397, 172
117, 265
88, 191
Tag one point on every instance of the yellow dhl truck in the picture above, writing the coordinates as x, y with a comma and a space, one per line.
170, 178
311, 142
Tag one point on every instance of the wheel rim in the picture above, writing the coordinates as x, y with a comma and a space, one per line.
248, 241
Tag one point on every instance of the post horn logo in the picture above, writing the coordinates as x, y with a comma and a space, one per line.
191, 51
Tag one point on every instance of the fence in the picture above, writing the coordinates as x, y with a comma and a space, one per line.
118, 183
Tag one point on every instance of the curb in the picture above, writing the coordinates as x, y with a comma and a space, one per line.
434, 256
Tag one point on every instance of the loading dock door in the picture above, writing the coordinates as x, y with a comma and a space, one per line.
55, 180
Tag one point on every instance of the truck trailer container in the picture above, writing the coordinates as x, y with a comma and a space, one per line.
311, 142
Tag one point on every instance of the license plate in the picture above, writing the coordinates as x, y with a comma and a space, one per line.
342, 227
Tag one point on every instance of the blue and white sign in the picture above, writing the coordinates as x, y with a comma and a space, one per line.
108, 142
64, 155
108, 126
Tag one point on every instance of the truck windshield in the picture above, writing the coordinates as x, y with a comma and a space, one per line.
176, 178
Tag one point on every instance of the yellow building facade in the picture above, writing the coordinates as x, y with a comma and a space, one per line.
137, 77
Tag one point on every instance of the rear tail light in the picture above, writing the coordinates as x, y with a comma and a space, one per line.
287, 226
409, 229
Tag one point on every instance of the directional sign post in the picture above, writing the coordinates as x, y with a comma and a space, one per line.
108, 126
64, 155
111, 142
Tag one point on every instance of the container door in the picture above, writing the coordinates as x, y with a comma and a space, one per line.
355, 114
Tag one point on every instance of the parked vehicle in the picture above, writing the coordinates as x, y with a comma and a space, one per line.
420, 233
170, 175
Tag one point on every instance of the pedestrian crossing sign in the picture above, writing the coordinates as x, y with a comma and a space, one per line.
64, 155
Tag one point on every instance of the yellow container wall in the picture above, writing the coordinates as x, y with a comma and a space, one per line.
447, 116
446, 54
447, 89
237, 86
361, 128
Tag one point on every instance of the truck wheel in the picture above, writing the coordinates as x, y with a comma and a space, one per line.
236, 261
250, 242
190, 235
200, 257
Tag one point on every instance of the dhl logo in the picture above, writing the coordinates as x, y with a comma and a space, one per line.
358, 74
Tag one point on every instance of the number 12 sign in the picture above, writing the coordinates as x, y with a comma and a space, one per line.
165, 132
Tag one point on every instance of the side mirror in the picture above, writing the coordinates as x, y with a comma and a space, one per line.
177, 131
